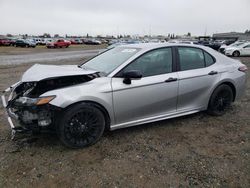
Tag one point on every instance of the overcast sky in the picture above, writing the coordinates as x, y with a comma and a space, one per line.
79, 17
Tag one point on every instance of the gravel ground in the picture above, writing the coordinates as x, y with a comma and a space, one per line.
196, 150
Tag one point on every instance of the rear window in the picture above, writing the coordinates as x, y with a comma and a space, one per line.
191, 58
209, 59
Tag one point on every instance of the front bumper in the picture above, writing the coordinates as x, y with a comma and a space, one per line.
10, 115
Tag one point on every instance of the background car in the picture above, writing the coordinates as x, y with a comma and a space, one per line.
92, 42
224, 46
38, 41
60, 43
25, 43
5, 42
76, 41
240, 50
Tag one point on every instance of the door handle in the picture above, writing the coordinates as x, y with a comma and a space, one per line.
171, 79
212, 73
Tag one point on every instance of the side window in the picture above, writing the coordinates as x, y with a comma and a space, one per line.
155, 62
190, 58
209, 59
248, 46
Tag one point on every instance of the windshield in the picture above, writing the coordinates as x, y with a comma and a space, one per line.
111, 59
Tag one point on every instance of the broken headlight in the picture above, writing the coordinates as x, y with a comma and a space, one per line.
26, 101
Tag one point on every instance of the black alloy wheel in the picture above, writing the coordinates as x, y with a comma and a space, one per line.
81, 126
220, 100
236, 53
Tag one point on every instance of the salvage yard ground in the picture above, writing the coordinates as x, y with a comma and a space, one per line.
195, 150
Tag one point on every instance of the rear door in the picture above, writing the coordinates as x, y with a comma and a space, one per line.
197, 74
153, 95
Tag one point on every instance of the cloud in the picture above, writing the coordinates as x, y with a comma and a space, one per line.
79, 17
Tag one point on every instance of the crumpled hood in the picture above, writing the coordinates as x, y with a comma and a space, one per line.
40, 72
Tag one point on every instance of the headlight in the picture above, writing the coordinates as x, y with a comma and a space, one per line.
34, 101
44, 100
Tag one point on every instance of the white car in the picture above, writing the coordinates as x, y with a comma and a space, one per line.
241, 50
223, 47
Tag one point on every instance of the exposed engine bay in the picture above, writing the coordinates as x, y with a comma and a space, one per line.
34, 112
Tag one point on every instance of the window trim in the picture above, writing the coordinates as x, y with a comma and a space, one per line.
178, 67
174, 62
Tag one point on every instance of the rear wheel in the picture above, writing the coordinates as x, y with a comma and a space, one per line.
220, 100
82, 125
236, 53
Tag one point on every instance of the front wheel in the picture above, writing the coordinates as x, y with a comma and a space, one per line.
82, 125
220, 100
236, 53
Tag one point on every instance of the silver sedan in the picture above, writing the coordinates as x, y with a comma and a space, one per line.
122, 87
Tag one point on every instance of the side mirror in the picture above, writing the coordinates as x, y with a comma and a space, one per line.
130, 75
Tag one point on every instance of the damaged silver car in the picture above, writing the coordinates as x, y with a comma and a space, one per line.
124, 86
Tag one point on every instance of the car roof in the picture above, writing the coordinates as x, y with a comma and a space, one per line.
148, 46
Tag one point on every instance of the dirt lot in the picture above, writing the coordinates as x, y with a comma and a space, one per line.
196, 150
42, 49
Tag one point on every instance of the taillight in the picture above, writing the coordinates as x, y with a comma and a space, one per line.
243, 68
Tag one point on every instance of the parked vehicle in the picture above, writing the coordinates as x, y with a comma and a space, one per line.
38, 41
125, 86
92, 42
43, 41
240, 50
12, 41
223, 48
25, 43
76, 41
5, 42
60, 43
48, 40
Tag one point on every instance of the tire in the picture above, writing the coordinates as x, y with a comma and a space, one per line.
236, 54
81, 125
220, 100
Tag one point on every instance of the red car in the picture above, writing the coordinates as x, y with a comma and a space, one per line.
5, 42
58, 44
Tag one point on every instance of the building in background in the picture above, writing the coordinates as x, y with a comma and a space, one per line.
231, 35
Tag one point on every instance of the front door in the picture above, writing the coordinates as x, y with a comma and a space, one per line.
155, 94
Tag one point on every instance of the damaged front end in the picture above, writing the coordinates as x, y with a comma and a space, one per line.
26, 107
